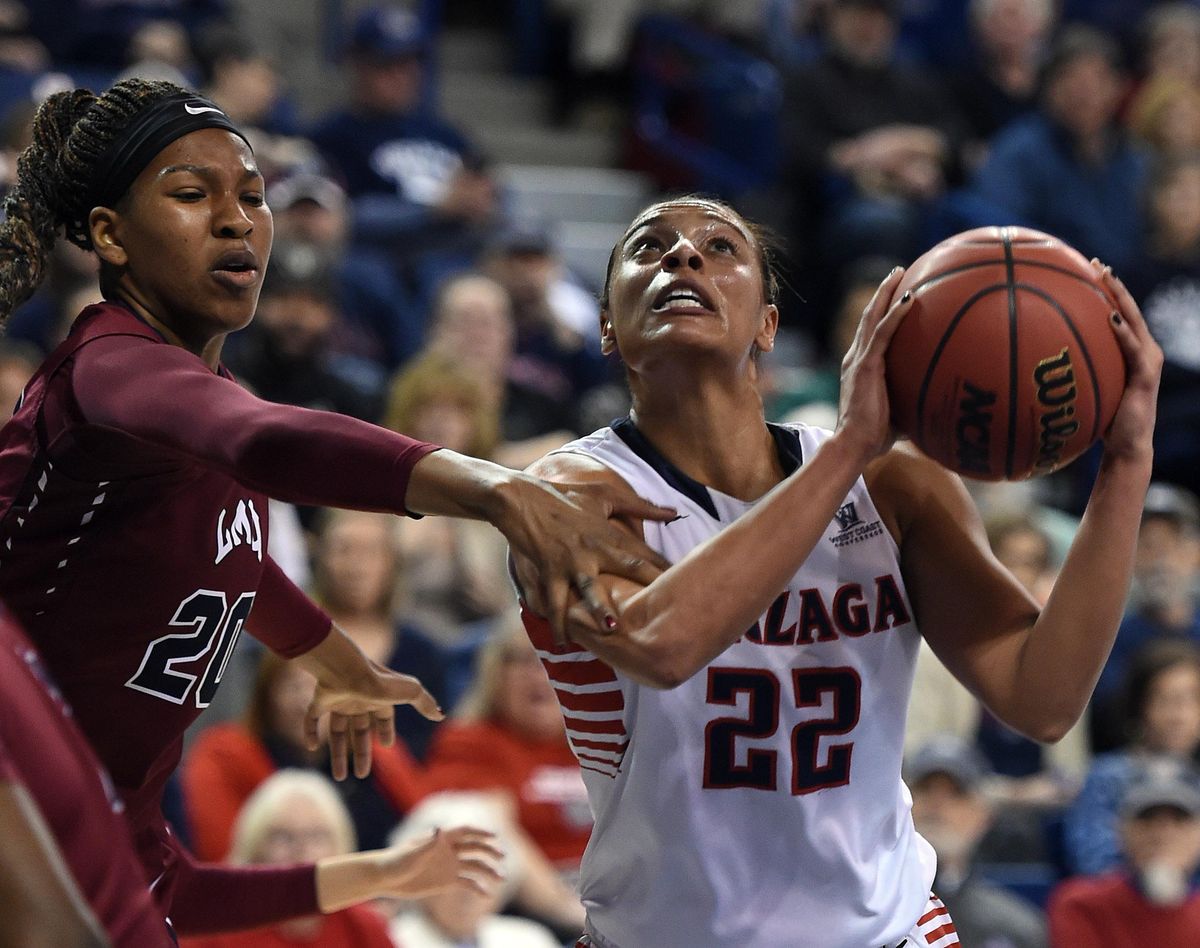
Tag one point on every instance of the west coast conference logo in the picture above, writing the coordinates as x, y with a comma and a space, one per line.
245, 527
851, 529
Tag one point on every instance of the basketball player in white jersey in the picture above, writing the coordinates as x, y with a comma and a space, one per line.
740, 721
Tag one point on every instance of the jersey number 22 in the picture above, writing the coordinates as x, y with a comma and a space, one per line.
760, 771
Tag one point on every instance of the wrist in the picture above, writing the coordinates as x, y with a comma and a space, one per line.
848, 449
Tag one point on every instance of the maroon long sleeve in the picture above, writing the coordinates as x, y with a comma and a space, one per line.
211, 898
168, 398
284, 618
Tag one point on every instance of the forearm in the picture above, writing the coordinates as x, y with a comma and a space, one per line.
453, 485
706, 601
1063, 653
343, 881
211, 899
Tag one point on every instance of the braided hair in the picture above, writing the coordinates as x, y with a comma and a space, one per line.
71, 131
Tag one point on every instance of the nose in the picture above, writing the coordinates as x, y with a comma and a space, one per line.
683, 254
230, 218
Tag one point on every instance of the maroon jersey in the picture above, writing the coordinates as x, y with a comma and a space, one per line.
42, 750
133, 535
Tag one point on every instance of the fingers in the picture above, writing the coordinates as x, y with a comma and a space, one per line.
339, 747
312, 727
558, 603
623, 554
596, 601
880, 303
627, 504
891, 322
474, 869
360, 744
385, 729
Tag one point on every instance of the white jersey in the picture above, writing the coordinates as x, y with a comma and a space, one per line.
759, 804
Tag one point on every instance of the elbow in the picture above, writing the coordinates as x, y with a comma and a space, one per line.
665, 668
1048, 728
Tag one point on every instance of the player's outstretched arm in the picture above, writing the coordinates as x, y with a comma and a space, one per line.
1035, 671
42, 905
446, 859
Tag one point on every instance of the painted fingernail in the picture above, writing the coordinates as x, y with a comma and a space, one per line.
610, 623
895, 270
677, 517
1116, 319
906, 297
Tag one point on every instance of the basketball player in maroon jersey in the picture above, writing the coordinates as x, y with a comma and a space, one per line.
135, 473
68, 873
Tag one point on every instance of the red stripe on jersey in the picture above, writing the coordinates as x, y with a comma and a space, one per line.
596, 701
542, 636
594, 727
593, 672
598, 760
607, 773
947, 929
600, 745
933, 913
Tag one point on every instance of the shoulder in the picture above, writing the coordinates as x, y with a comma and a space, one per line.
911, 490
576, 462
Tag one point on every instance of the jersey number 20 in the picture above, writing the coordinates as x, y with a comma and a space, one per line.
759, 772
216, 627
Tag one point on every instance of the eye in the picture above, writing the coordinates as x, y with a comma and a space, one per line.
190, 195
646, 242
723, 245
254, 199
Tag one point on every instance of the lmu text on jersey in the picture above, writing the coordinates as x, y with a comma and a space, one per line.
812, 619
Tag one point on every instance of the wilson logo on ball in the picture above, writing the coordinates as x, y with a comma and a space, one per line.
1055, 382
973, 432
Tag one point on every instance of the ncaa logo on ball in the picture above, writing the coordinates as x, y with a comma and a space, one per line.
1054, 380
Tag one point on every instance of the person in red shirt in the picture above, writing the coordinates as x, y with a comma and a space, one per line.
509, 735
135, 473
1153, 902
297, 816
68, 873
228, 761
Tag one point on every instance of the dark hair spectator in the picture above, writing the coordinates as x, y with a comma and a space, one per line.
1163, 723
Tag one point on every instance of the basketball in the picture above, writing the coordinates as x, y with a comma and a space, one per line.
1006, 366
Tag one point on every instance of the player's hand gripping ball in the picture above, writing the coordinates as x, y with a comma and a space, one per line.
1007, 365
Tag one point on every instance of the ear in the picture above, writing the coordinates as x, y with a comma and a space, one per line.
765, 339
608, 339
104, 225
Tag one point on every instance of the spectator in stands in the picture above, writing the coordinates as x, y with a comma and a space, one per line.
557, 346
472, 323
228, 761
237, 76
1151, 902
1172, 43
1165, 280
952, 812
456, 581
357, 579
508, 735
296, 816
284, 354
382, 322
1163, 603
1071, 169
418, 186
1163, 727
870, 138
462, 917
1165, 115
1000, 82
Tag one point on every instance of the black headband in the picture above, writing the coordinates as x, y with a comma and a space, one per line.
151, 132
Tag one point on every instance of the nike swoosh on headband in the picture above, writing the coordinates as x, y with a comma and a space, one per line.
197, 109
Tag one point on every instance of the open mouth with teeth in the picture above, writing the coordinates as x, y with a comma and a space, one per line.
681, 299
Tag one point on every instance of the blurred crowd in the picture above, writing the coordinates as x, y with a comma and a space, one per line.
402, 290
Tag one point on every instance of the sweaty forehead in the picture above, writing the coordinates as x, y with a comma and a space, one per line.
660, 213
